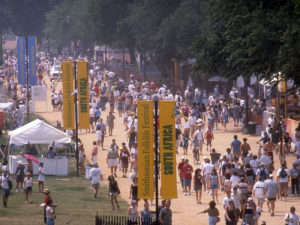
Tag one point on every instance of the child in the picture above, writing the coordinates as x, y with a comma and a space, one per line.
41, 177
28, 187
209, 136
114, 191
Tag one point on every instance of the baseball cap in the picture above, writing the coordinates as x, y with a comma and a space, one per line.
182, 157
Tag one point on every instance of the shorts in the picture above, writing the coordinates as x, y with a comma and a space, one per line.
28, 189
206, 177
113, 193
197, 187
226, 182
41, 181
96, 186
214, 186
124, 165
91, 120
112, 163
283, 185
20, 179
5, 192
187, 182
272, 199
260, 200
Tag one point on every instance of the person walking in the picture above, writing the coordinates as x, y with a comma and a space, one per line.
249, 212
133, 213
20, 175
114, 191
213, 184
81, 158
146, 214
294, 173
41, 177
28, 183
94, 154
198, 180
230, 214
165, 216
213, 213
110, 122
124, 157
209, 136
187, 170
283, 177
259, 192
271, 193
235, 147
112, 157
95, 175
5, 187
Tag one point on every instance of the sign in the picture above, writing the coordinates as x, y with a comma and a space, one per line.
32, 60
290, 126
21, 49
167, 149
39, 93
68, 98
145, 156
83, 95
282, 86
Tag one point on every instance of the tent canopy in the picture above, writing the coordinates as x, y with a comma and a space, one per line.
37, 132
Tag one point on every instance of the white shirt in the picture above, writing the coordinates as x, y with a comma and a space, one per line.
92, 112
264, 159
234, 180
28, 182
99, 135
207, 168
41, 176
199, 134
254, 164
293, 218
4, 182
226, 201
95, 174
187, 125
271, 122
49, 212
286, 178
259, 189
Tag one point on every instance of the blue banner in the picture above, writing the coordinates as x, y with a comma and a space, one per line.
32, 60
21, 48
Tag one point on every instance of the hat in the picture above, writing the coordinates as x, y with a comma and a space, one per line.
250, 199
205, 157
263, 223
46, 191
182, 157
249, 154
133, 201
271, 175
19, 162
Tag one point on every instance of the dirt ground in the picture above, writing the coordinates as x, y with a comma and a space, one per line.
184, 208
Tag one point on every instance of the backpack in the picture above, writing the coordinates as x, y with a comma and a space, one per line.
282, 173
262, 174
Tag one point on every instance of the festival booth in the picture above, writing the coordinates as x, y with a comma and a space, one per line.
39, 132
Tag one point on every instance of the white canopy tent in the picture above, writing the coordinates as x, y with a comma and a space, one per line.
37, 132
6, 106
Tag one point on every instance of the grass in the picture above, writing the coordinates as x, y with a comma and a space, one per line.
74, 198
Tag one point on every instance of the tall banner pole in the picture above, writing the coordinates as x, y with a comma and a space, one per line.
156, 156
27, 77
76, 119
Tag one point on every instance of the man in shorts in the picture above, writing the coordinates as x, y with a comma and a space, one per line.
112, 157
259, 192
95, 175
272, 190
94, 152
283, 177
187, 171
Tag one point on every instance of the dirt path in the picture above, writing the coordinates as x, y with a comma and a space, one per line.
184, 207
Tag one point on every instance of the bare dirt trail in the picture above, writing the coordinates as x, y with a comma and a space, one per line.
184, 208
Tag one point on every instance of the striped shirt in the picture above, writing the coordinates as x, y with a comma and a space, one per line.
272, 188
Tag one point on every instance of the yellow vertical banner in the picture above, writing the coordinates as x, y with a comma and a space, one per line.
83, 95
167, 149
145, 146
68, 98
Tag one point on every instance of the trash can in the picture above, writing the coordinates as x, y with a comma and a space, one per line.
252, 127
87, 172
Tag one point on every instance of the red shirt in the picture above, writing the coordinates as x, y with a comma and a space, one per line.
187, 171
180, 165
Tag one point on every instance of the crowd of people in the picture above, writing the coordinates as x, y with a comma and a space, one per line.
245, 177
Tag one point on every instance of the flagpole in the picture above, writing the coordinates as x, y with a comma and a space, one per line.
156, 99
76, 119
27, 76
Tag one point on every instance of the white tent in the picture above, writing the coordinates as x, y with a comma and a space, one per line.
37, 132
6, 106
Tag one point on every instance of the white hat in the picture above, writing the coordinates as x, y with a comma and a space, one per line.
205, 157
182, 157
249, 154
19, 162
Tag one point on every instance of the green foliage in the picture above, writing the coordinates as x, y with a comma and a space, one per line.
246, 37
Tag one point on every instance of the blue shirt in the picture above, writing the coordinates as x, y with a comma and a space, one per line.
97, 113
264, 139
236, 145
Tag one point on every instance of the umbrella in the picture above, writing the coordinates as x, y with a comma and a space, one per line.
217, 79
32, 158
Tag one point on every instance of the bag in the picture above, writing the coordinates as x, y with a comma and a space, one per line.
262, 174
10, 184
282, 173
